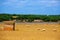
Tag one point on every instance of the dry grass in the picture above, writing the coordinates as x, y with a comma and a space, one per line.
34, 31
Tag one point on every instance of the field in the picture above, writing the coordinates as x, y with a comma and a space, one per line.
32, 31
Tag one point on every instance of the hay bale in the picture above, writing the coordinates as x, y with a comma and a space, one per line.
38, 29
43, 29
54, 29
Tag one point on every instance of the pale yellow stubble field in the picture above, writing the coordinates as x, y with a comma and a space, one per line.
32, 31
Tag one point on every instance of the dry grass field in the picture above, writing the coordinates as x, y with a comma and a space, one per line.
32, 31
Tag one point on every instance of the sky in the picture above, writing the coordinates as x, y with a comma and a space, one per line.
44, 7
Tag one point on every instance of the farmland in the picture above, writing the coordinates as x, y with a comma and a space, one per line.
32, 31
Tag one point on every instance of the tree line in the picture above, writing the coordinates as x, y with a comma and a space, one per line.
30, 18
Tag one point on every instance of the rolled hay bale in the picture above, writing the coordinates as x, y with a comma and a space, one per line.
43, 29
54, 29
38, 29
8, 22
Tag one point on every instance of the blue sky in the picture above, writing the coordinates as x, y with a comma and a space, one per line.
45, 7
